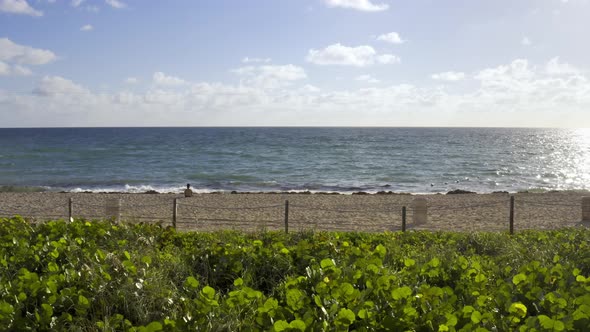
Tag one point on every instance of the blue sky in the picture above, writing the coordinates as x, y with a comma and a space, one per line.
294, 62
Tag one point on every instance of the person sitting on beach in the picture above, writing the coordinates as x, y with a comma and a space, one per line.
188, 192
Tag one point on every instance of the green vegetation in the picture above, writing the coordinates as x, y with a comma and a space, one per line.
100, 276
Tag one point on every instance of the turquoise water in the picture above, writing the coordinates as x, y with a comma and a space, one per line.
416, 160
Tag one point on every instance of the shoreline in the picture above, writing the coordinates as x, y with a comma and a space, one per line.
43, 189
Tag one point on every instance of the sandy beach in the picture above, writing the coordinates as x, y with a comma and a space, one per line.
320, 212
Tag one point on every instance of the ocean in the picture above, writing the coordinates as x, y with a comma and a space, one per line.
343, 160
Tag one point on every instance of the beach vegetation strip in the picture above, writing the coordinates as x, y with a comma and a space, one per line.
97, 275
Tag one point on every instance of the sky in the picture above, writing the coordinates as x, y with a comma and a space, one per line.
489, 63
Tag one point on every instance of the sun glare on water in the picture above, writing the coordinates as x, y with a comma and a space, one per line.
582, 141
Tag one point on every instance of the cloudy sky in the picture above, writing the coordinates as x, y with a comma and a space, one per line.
522, 63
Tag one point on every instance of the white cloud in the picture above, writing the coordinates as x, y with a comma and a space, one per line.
360, 56
367, 78
4, 68
362, 5
20, 54
387, 59
16, 70
518, 70
162, 79
116, 4
87, 27
21, 71
270, 77
131, 80
449, 76
57, 85
76, 3
256, 60
514, 94
392, 37
526, 41
522, 87
554, 67
18, 7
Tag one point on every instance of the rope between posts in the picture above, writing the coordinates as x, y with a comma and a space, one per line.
231, 208
50, 208
144, 205
303, 207
546, 204
12, 214
144, 217
239, 220
442, 208
77, 203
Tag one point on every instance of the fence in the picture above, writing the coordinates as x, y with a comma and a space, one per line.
412, 212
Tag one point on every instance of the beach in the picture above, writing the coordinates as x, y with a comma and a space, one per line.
254, 212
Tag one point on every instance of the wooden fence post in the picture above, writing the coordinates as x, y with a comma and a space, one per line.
511, 215
403, 218
70, 209
174, 212
287, 216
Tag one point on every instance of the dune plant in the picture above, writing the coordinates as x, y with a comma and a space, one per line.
96, 275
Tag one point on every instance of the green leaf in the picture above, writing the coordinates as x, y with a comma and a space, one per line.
127, 255
191, 282
52, 267
281, 325
517, 279
435, 262
294, 299
238, 282
583, 312
346, 316
298, 325
83, 301
271, 304
154, 327
468, 309
147, 260
518, 309
318, 300
326, 263
169, 322
401, 293
47, 311
476, 317
208, 292
451, 319
380, 250
558, 325
410, 312
545, 321
363, 314
480, 278
409, 262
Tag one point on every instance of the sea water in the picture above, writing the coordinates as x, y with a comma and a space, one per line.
345, 160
